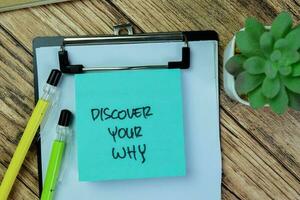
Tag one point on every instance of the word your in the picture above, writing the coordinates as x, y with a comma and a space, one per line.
106, 113
130, 152
131, 133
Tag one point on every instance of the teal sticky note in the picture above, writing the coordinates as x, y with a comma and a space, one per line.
129, 125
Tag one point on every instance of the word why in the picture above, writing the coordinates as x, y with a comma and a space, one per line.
130, 152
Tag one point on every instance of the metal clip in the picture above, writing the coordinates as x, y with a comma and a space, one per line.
184, 63
118, 28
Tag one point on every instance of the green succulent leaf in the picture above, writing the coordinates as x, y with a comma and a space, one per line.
248, 45
270, 70
276, 56
254, 65
294, 100
281, 44
246, 82
285, 70
235, 64
279, 103
296, 69
266, 42
254, 28
281, 25
293, 39
291, 57
292, 83
271, 87
257, 99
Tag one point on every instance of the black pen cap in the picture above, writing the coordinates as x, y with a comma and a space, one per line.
54, 77
65, 118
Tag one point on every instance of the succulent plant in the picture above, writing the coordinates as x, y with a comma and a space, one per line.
267, 65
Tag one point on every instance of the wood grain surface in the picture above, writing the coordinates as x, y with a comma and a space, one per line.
260, 150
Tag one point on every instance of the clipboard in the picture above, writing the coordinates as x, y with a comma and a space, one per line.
201, 109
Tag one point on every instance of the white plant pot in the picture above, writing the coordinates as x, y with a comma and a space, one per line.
228, 79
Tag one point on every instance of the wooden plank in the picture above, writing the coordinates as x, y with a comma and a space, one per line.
68, 19
278, 134
227, 194
6, 5
226, 17
20, 190
249, 170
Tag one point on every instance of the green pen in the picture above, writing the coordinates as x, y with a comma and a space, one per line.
57, 152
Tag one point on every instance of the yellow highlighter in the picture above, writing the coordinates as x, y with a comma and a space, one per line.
33, 124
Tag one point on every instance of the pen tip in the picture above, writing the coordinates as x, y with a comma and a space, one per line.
65, 118
54, 77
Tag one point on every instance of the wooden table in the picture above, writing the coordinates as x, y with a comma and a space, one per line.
260, 150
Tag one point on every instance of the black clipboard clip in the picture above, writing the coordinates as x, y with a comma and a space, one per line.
68, 68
